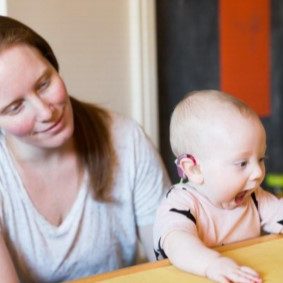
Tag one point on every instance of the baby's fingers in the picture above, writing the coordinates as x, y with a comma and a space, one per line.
244, 274
250, 273
249, 270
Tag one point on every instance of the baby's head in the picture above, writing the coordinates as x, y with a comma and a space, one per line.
199, 114
216, 135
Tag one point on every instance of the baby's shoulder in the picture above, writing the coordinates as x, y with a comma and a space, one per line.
182, 193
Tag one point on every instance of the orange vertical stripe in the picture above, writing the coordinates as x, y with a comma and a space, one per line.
244, 29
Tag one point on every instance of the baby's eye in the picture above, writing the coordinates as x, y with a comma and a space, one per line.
242, 164
262, 159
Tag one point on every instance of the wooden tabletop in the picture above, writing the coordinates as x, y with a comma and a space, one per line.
165, 264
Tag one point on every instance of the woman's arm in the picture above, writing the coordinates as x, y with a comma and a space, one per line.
145, 236
7, 271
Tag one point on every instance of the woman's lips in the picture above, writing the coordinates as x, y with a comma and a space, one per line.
53, 127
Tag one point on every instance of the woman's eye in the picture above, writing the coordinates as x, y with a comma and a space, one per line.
15, 109
43, 85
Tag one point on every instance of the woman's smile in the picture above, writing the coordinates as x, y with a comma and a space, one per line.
55, 127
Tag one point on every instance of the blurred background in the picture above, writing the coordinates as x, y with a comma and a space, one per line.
235, 46
140, 57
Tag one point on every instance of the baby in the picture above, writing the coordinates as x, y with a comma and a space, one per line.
220, 146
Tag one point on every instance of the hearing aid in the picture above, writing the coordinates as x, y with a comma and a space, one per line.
178, 164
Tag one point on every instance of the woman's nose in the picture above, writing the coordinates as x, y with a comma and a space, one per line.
44, 110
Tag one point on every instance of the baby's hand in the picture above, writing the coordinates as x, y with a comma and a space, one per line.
225, 270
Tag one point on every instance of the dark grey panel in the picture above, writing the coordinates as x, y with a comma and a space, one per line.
188, 58
274, 124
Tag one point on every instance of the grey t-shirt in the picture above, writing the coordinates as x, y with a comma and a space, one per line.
94, 237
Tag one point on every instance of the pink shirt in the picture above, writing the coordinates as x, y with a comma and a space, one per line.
187, 210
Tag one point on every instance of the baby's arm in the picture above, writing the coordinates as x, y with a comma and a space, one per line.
270, 209
188, 253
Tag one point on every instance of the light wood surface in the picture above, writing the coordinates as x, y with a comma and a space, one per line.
144, 268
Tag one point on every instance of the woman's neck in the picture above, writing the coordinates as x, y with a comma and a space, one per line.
23, 152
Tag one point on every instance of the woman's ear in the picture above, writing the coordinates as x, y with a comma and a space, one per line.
191, 170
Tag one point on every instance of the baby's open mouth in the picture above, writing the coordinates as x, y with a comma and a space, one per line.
240, 197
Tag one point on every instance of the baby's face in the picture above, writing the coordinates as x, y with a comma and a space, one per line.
233, 163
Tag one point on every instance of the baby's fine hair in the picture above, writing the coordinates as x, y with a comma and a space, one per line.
191, 117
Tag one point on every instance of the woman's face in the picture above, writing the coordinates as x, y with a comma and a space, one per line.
34, 105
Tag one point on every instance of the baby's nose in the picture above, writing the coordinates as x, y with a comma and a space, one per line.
257, 172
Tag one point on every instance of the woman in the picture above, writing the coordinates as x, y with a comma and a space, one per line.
79, 185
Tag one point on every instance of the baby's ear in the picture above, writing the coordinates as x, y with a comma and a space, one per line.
192, 170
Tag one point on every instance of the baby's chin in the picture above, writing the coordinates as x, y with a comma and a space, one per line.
239, 200
226, 205
229, 205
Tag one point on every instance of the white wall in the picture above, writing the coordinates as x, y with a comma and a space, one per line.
105, 48
3, 7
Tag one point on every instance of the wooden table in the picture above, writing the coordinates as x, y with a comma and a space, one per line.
264, 254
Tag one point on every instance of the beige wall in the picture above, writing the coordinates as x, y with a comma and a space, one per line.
101, 46
91, 44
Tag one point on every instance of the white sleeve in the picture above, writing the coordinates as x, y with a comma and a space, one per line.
151, 179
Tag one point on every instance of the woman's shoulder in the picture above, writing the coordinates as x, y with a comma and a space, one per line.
120, 121
125, 128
